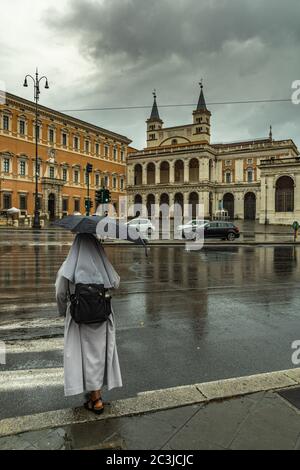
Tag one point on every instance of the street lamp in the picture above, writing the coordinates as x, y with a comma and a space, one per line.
36, 81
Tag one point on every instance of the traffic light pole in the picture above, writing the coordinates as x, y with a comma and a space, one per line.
88, 195
88, 170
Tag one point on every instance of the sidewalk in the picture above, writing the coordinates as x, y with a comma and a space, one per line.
241, 413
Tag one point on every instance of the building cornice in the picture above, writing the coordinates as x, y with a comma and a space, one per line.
53, 114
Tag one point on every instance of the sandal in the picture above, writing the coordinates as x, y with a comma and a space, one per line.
90, 406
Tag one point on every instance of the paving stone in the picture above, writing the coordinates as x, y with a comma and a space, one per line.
216, 423
93, 435
153, 430
15, 443
270, 425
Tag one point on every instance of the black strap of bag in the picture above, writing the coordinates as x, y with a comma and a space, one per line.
91, 303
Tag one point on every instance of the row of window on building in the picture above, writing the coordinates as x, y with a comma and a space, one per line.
23, 203
52, 173
64, 140
228, 176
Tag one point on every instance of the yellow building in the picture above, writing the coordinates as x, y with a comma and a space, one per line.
66, 145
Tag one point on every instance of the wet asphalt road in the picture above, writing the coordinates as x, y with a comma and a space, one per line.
182, 317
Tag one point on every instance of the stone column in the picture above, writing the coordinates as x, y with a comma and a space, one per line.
205, 169
144, 206
219, 176
129, 176
130, 201
157, 173
204, 200
172, 171
185, 204
271, 199
239, 170
186, 171
171, 204
144, 174
239, 205
262, 200
156, 212
297, 197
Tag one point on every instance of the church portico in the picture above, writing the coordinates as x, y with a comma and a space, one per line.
181, 160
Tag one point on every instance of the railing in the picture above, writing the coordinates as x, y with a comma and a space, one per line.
48, 180
280, 161
219, 147
160, 150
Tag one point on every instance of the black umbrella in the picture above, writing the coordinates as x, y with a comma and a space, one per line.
103, 226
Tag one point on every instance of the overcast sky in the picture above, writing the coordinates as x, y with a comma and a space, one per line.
106, 53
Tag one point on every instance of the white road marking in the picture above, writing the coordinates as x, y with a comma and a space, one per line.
32, 323
30, 378
35, 345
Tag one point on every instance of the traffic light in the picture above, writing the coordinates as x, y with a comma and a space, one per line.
100, 196
89, 168
88, 205
107, 196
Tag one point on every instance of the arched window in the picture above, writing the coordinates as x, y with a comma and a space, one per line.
179, 171
194, 170
151, 173
193, 205
228, 204
210, 170
138, 174
164, 172
138, 201
284, 194
150, 204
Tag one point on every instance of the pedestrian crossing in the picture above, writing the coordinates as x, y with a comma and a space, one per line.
11, 381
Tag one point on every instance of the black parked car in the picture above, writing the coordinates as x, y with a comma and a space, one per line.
220, 229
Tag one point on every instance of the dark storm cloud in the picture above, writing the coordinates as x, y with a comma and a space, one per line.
244, 49
151, 30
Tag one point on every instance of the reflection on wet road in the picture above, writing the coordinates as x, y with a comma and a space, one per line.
182, 317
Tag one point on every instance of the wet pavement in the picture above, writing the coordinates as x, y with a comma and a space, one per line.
259, 421
182, 317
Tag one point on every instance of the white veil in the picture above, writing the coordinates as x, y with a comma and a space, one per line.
87, 263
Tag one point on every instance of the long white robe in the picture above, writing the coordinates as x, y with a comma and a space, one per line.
90, 352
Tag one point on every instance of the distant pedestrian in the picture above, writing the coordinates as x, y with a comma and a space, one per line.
90, 352
295, 226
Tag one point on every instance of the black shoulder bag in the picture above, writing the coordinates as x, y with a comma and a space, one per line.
90, 303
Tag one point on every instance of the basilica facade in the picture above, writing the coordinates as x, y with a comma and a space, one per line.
252, 179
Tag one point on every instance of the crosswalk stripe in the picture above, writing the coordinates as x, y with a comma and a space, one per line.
35, 345
30, 378
15, 307
32, 323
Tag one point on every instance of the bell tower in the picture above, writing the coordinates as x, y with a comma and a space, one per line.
154, 124
201, 119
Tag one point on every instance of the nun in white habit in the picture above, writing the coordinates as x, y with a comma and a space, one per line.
90, 352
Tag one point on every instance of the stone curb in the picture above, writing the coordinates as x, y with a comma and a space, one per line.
156, 400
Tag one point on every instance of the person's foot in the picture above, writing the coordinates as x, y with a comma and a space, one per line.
95, 402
